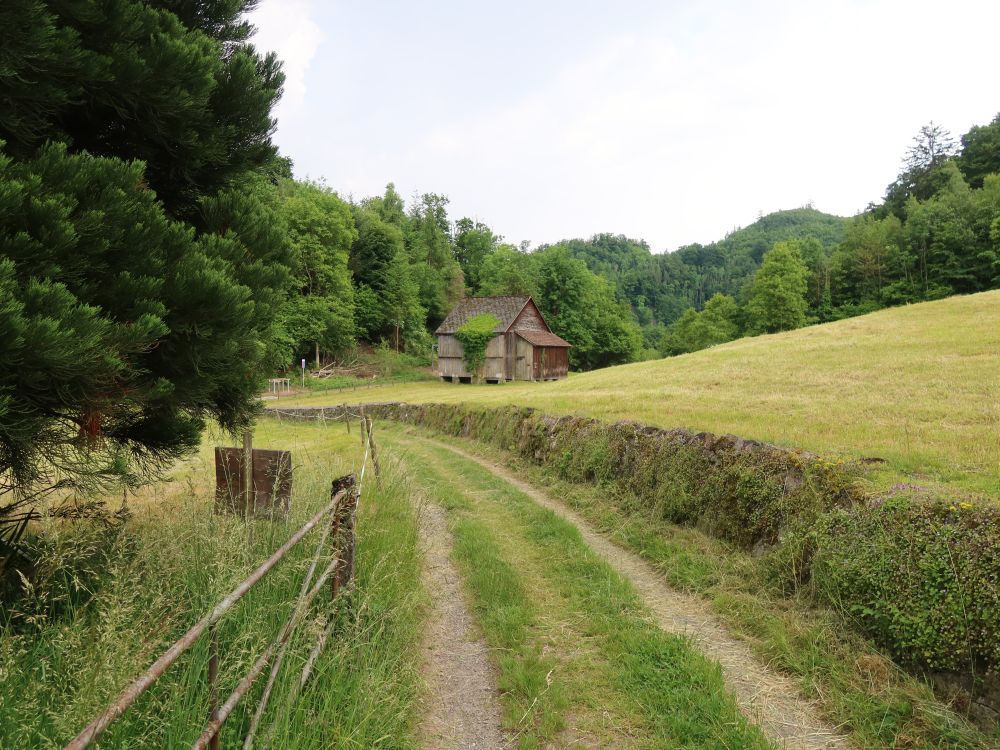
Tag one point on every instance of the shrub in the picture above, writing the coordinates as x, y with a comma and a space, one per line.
922, 577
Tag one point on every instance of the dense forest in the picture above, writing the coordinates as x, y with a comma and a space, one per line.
937, 233
158, 259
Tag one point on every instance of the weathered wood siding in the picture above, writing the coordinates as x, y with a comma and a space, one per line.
523, 360
451, 367
552, 362
493, 368
510, 354
529, 319
449, 346
451, 364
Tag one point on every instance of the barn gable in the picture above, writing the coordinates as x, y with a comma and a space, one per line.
529, 319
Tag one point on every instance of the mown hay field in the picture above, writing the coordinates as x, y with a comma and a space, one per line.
916, 386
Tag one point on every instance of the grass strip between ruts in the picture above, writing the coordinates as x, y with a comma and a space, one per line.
676, 696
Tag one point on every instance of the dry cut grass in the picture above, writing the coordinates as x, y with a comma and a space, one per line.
917, 386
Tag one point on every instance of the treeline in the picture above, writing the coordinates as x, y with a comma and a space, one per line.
378, 270
937, 233
402, 267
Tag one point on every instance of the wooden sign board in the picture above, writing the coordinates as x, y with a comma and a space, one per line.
272, 483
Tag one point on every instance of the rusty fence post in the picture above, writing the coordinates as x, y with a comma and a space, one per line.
335, 535
342, 536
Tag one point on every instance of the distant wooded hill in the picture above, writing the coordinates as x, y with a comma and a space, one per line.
660, 287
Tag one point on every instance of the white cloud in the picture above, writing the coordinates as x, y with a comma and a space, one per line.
288, 28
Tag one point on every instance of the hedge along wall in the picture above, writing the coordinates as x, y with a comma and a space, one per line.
921, 576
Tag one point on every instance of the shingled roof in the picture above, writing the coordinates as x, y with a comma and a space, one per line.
503, 308
543, 338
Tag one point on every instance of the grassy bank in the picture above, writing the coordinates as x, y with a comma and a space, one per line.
917, 387
105, 604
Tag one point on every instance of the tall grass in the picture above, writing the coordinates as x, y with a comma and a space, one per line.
102, 605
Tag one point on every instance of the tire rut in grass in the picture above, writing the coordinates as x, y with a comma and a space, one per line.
462, 708
767, 698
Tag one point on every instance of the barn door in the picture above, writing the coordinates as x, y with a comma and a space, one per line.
537, 353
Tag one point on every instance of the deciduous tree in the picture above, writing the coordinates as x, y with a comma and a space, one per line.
778, 293
320, 311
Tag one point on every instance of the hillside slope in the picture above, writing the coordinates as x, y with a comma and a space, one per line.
917, 386
757, 238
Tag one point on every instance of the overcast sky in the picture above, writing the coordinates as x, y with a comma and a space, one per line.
674, 122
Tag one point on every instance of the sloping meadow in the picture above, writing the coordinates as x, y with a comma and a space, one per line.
918, 574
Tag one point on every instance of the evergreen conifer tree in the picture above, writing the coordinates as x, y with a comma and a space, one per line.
143, 257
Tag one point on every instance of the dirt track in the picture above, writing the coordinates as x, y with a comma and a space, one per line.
770, 700
461, 705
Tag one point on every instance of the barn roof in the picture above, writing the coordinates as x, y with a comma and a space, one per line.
503, 308
543, 338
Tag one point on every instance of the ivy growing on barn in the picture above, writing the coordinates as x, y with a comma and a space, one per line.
475, 335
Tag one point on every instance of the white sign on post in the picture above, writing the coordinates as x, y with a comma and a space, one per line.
303, 373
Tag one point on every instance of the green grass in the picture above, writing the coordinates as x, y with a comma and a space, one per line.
337, 383
106, 604
576, 644
503, 610
855, 685
374, 366
917, 386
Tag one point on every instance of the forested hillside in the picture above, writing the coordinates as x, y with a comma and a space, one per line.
661, 287
936, 234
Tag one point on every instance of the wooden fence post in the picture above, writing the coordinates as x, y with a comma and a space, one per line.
248, 497
213, 683
374, 450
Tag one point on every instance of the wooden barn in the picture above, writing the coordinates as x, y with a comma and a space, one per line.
524, 347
